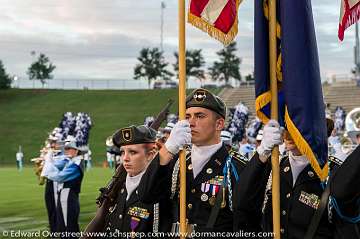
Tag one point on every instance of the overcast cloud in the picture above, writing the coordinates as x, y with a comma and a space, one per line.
102, 38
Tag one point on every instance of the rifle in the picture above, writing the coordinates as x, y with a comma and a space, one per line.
109, 193
162, 115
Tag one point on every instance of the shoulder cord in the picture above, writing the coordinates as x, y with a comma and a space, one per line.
156, 218
175, 174
334, 205
227, 178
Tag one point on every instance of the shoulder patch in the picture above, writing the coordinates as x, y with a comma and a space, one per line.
238, 157
335, 160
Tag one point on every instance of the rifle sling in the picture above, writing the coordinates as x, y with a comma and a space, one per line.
318, 213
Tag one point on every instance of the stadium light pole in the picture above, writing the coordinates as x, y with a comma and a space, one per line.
163, 6
357, 53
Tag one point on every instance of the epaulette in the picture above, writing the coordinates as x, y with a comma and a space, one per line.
335, 160
237, 156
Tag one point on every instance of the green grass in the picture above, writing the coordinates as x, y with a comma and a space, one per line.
26, 116
22, 205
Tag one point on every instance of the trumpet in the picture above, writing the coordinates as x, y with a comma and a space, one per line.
38, 167
40, 161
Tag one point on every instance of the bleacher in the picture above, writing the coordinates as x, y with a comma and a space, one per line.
346, 95
244, 94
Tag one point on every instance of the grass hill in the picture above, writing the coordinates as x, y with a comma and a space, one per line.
26, 116
22, 204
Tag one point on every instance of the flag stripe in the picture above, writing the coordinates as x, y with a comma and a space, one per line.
197, 7
349, 14
227, 17
218, 18
213, 10
352, 3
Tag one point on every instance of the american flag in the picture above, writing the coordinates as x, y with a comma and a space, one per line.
349, 14
216, 17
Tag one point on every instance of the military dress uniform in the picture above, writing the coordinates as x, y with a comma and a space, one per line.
163, 182
298, 201
344, 203
130, 213
133, 215
219, 177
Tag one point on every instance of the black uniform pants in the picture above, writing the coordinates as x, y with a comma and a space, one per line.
68, 209
50, 204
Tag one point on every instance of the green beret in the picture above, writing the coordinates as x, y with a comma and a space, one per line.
205, 99
134, 135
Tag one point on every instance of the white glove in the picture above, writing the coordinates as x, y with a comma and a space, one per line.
271, 138
48, 156
180, 135
48, 164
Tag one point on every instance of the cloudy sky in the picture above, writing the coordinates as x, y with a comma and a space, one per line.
102, 38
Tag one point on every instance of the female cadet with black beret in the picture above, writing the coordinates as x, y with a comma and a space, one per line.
129, 216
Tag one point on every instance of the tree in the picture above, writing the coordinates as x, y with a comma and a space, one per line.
194, 63
152, 65
41, 69
228, 67
249, 78
5, 79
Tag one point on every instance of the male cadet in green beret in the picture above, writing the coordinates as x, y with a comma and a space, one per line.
129, 214
212, 171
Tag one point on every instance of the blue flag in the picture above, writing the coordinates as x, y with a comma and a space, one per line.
301, 105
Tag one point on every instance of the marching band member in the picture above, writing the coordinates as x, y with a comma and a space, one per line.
67, 172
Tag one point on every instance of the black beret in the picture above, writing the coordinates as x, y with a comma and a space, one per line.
134, 135
205, 99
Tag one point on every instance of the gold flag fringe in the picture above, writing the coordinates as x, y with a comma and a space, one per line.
224, 38
304, 148
261, 101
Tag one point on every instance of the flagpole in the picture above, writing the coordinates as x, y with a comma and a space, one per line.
182, 96
274, 115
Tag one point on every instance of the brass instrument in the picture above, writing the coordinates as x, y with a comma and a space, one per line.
347, 145
40, 161
39, 165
